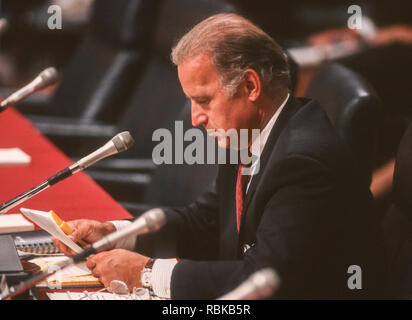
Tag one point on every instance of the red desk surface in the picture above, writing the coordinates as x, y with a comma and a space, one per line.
76, 197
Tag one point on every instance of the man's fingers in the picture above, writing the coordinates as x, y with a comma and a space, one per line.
54, 239
84, 229
78, 233
62, 247
90, 263
96, 273
105, 282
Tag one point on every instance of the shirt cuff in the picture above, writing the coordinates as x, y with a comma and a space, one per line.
127, 243
162, 277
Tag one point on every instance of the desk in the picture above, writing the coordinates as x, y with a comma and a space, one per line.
76, 197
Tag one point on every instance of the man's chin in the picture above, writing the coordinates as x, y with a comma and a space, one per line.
223, 142
226, 143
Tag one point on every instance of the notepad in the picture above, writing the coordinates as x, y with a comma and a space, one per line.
77, 275
14, 223
13, 157
45, 221
141, 294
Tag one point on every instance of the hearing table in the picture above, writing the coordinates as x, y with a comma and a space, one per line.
76, 197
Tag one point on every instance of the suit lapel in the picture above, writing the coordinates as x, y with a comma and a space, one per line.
289, 110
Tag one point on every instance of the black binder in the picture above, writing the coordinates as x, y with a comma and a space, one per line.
10, 264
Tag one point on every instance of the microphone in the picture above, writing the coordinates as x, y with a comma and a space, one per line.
3, 26
118, 143
45, 78
149, 221
259, 285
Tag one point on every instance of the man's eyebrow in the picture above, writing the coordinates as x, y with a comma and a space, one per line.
197, 97
200, 97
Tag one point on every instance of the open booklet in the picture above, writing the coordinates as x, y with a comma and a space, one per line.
140, 294
46, 221
75, 276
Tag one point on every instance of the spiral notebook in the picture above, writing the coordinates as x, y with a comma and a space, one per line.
35, 242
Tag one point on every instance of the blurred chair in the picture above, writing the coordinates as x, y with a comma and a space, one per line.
354, 109
158, 102
397, 224
157, 97
388, 70
103, 72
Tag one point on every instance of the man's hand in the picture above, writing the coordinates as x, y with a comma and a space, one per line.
118, 264
88, 230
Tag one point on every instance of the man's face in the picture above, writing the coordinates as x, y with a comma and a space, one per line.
210, 106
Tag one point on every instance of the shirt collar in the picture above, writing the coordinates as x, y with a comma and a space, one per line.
259, 144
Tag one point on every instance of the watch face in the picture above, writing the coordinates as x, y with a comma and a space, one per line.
147, 278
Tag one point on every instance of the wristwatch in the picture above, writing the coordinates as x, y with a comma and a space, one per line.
146, 275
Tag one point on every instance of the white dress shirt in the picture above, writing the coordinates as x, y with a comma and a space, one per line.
259, 144
163, 268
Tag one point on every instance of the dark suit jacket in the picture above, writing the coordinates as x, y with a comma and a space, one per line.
306, 214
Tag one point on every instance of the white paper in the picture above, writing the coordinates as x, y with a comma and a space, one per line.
14, 222
13, 156
142, 294
45, 221
79, 269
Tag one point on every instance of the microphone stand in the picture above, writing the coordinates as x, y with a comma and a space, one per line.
61, 175
118, 143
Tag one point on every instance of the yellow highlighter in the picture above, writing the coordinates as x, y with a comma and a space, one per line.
65, 227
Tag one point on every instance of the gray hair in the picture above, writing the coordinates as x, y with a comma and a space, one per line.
235, 44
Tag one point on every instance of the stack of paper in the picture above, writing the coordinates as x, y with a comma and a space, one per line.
13, 156
14, 223
141, 294
45, 221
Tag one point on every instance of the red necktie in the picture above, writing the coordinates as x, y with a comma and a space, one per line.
240, 190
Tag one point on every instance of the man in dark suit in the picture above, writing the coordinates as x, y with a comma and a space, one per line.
303, 211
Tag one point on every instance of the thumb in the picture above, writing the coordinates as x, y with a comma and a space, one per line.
79, 232
75, 236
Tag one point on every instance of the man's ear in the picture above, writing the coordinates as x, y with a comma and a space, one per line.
253, 84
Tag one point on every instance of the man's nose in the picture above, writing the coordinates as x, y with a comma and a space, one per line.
198, 116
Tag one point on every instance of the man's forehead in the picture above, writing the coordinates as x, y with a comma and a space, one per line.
197, 71
198, 59
200, 65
